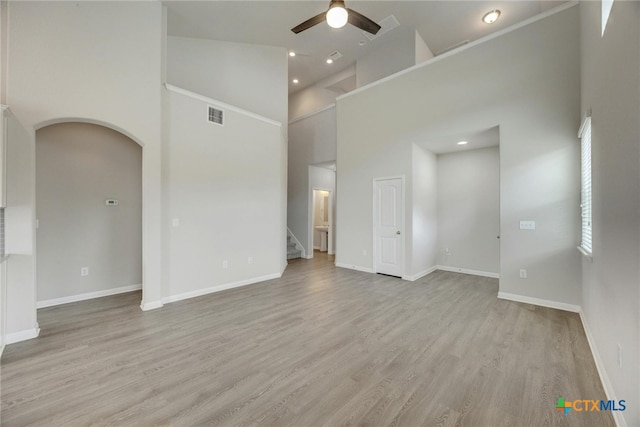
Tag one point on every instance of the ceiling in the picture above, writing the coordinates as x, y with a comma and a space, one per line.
441, 24
475, 139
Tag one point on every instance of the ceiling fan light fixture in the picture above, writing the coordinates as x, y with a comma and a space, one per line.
491, 17
337, 16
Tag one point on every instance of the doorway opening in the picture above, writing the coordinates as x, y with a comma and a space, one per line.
456, 203
322, 221
322, 209
89, 213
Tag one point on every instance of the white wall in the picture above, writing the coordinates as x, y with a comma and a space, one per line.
312, 140
321, 94
4, 112
249, 76
85, 61
81, 165
226, 191
524, 81
611, 282
4, 31
424, 221
469, 210
19, 235
393, 52
422, 51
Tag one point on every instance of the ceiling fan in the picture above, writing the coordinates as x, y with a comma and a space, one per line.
337, 16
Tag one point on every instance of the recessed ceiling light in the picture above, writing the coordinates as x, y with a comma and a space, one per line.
463, 142
292, 53
296, 81
491, 17
329, 61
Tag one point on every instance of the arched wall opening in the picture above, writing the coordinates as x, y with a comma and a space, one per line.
89, 212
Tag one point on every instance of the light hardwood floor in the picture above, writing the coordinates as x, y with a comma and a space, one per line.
320, 346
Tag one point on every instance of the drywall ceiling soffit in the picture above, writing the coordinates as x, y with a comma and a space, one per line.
325, 165
476, 139
343, 86
441, 24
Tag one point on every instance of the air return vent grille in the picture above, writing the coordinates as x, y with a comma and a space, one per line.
387, 24
215, 115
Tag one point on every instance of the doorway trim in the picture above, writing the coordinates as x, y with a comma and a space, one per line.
146, 212
374, 200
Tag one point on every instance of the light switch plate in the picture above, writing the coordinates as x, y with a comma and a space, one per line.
527, 225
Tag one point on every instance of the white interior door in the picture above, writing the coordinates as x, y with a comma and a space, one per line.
388, 226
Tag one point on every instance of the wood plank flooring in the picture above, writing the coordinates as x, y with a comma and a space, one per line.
322, 346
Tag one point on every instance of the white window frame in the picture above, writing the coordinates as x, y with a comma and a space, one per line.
586, 199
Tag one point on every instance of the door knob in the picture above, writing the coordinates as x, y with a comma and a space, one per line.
397, 232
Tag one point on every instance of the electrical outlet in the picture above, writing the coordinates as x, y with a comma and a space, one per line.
175, 222
84, 271
364, 252
523, 273
250, 260
527, 225
447, 251
225, 264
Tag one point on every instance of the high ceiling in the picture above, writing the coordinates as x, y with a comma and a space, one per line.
441, 24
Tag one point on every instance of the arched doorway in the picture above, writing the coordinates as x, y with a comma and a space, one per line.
89, 213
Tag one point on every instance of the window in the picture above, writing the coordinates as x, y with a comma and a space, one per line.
1, 234
606, 11
585, 204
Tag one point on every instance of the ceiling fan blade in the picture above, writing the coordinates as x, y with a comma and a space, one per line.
358, 20
310, 23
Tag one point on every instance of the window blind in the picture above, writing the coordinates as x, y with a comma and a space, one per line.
585, 205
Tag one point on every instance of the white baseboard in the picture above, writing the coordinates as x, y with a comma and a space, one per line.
147, 306
218, 288
541, 302
467, 271
22, 335
420, 275
602, 372
355, 267
90, 295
